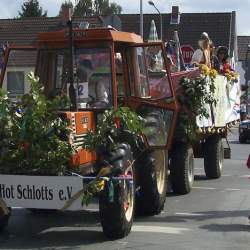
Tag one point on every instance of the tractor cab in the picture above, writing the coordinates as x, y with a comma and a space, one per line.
108, 67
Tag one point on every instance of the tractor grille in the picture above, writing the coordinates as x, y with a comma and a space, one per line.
78, 140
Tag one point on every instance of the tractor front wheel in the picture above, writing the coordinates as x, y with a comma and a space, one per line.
116, 201
4, 216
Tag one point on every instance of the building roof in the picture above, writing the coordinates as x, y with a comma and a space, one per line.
243, 42
24, 31
219, 26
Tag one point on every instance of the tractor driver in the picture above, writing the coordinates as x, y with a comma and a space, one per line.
97, 89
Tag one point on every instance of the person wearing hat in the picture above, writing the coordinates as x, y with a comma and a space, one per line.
202, 54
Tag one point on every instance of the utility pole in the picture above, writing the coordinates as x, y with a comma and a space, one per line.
141, 19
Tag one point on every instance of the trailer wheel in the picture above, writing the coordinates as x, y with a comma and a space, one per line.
213, 157
152, 183
182, 168
117, 215
4, 218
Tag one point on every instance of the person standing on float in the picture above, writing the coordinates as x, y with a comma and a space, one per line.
202, 54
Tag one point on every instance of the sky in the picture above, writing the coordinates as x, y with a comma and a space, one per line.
9, 8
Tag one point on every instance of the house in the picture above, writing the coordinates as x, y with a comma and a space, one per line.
24, 32
243, 58
221, 28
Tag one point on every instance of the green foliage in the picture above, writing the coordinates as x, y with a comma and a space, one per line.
107, 133
100, 7
31, 8
196, 95
34, 138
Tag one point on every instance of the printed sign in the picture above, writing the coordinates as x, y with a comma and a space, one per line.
50, 192
187, 53
83, 90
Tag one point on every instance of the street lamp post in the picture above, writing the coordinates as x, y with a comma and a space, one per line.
152, 4
141, 19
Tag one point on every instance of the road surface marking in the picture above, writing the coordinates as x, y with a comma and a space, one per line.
232, 189
205, 188
159, 229
91, 209
244, 176
190, 214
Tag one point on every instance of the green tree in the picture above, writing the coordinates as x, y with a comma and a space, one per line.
100, 7
83, 8
31, 8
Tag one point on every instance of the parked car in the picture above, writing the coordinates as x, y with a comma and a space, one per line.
244, 131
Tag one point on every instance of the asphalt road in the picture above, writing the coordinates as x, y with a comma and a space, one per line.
212, 216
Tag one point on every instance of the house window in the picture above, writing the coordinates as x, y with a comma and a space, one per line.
15, 82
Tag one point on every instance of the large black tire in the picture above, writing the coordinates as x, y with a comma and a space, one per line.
182, 168
213, 157
117, 215
4, 218
152, 183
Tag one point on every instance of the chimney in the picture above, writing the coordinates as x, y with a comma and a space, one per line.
66, 14
175, 15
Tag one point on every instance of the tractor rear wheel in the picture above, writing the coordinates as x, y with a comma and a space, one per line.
152, 183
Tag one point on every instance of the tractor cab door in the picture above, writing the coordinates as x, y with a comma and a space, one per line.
16, 63
150, 92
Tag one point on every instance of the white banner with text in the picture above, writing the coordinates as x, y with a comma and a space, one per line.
44, 192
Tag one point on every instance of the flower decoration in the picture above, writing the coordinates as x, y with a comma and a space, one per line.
204, 69
213, 73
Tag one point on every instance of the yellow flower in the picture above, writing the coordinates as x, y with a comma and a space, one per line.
213, 73
198, 130
204, 69
100, 185
228, 76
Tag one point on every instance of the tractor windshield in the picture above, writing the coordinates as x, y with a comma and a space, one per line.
92, 75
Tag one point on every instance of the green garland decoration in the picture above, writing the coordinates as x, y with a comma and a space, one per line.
33, 136
107, 131
196, 94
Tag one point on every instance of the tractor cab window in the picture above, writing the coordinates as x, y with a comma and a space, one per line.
94, 78
92, 75
148, 76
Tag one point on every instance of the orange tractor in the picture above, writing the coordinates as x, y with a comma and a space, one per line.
100, 69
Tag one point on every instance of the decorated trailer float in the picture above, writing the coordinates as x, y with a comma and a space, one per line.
104, 119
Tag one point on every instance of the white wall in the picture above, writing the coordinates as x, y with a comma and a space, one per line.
241, 71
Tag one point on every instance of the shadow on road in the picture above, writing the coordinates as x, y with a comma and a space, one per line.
226, 227
57, 229
237, 142
197, 216
201, 178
